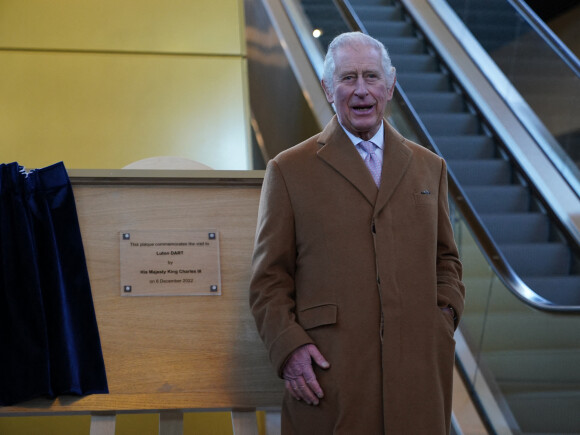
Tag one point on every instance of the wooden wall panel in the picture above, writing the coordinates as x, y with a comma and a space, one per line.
187, 352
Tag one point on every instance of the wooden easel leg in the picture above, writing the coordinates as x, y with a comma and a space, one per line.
244, 423
171, 423
103, 424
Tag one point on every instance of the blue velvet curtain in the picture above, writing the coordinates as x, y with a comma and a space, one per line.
49, 341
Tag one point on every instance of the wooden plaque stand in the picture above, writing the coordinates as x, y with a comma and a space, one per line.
176, 353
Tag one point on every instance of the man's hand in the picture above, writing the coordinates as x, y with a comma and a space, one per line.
449, 309
299, 375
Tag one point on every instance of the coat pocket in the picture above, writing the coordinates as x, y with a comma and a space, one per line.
320, 315
425, 197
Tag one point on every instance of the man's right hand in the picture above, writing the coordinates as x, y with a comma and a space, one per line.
299, 375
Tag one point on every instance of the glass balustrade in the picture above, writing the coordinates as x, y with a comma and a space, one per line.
529, 359
541, 68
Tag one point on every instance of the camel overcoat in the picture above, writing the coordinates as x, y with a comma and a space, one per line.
362, 273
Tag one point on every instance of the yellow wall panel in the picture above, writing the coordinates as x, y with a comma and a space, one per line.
107, 110
53, 425
185, 26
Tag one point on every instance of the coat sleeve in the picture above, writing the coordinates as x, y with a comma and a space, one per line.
272, 288
450, 289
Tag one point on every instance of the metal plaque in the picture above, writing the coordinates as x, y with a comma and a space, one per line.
170, 263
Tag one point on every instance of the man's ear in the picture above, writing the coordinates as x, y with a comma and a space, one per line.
329, 96
392, 89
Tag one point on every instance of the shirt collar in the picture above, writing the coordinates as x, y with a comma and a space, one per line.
378, 139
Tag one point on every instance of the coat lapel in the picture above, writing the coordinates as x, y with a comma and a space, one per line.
338, 151
396, 160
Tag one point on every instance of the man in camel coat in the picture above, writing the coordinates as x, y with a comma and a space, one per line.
356, 284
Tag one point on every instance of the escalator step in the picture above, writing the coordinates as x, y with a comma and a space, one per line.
388, 29
518, 227
498, 199
318, 7
378, 13
424, 82
321, 12
481, 172
321, 22
436, 102
538, 259
403, 45
450, 123
357, 3
413, 63
465, 147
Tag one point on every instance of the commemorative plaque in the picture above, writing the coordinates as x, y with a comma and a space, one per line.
170, 263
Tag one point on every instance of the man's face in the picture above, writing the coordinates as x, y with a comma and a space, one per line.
360, 93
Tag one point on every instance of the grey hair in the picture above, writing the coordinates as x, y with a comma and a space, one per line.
350, 39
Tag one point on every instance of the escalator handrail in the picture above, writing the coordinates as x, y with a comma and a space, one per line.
488, 246
549, 37
544, 139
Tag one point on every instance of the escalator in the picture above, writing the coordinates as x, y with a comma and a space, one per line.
528, 59
522, 265
499, 193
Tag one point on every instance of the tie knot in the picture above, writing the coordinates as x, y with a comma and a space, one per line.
368, 146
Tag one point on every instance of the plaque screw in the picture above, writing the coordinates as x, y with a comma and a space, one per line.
127, 289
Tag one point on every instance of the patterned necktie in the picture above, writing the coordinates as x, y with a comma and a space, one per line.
371, 160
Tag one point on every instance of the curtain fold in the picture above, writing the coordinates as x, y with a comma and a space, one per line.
49, 338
